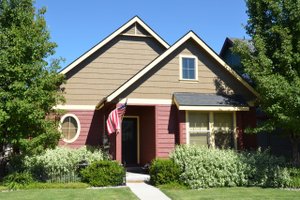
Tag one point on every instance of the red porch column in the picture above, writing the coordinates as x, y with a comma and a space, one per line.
182, 127
119, 147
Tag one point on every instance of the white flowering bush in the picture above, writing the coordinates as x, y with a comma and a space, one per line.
203, 167
61, 161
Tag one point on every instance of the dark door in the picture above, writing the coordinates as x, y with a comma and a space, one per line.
129, 141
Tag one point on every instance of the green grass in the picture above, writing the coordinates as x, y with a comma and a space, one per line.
230, 193
65, 194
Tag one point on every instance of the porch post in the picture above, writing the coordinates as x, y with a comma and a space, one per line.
119, 146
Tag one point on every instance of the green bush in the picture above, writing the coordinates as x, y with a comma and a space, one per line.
265, 169
295, 177
103, 173
164, 171
17, 180
61, 164
204, 167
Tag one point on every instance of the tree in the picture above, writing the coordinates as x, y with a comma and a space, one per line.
29, 86
274, 64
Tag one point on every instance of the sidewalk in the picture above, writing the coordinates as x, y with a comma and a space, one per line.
144, 191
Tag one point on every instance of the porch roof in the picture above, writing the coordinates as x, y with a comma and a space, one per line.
209, 102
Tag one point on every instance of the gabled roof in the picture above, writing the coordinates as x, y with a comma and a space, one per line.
229, 42
189, 35
131, 22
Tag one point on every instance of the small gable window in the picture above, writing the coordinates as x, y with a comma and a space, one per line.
188, 68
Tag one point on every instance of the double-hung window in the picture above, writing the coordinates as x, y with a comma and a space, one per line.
188, 68
211, 129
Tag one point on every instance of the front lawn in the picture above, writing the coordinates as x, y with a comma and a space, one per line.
230, 193
62, 194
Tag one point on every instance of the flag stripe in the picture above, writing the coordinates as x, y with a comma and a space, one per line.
113, 121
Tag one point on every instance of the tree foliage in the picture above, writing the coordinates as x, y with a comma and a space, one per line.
29, 86
274, 62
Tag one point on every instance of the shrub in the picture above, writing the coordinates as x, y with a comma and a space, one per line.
17, 180
103, 173
265, 169
61, 162
203, 167
164, 171
295, 177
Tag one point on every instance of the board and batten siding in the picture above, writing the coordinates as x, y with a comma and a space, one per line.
163, 80
108, 68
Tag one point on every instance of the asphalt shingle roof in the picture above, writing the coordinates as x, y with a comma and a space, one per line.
203, 99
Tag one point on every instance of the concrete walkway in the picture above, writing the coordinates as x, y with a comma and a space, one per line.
147, 192
144, 191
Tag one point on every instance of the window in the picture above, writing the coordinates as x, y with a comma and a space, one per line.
223, 128
211, 128
188, 68
70, 127
198, 128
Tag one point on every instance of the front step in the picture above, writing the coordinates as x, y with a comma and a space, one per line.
132, 177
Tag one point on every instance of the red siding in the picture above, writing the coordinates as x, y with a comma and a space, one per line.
246, 120
182, 127
146, 131
91, 123
166, 129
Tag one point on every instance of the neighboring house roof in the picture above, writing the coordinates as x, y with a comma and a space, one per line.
192, 100
229, 42
134, 20
189, 35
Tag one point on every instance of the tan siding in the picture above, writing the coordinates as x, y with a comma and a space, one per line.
130, 30
108, 68
162, 81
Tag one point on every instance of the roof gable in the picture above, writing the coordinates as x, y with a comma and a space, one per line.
139, 26
189, 35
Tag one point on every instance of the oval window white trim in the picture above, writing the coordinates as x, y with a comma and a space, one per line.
78, 127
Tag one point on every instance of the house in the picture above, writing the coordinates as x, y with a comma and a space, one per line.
179, 94
276, 142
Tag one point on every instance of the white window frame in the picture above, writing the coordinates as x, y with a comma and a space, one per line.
180, 67
78, 127
211, 135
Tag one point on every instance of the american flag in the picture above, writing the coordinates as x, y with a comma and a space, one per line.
114, 119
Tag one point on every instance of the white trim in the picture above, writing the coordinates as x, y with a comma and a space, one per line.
187, 128
136, 19
78, 127
188, 36
137, 135
211, 136
235, 130
180, 67
213, 108
137, 101
74, 107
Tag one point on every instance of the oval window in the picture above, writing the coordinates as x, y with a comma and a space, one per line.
70, 127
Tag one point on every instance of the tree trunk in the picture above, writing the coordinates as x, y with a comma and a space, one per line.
295, 140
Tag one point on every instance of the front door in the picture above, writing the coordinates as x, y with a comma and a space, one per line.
129, 141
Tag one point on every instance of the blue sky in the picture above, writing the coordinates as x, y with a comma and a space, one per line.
76, 26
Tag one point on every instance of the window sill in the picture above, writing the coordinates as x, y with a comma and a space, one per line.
188, 81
